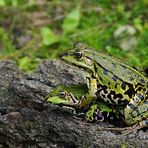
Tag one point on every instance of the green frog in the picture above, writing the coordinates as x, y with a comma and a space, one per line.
114, 82
69, 97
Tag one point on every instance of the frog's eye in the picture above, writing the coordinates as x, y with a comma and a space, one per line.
78, 54
62, 94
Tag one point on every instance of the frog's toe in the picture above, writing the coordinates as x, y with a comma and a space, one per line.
140, 125
127, 130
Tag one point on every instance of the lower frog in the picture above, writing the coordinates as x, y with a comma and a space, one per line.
67, 95
112, 81
70, 96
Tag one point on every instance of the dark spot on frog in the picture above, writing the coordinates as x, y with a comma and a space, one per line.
140, 97
123, 102
103, 96
116, 85
131, 78
142, 81
105, 71
139, 88
135, 108
114, 65
131, 91
109, 96
116, 98
144, 90
100, 88
119, 95
115, 78
139, 84
104, 87
123, 67
95, 68
131, 106
123, 85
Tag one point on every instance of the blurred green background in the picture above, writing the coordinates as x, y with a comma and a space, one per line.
33, 30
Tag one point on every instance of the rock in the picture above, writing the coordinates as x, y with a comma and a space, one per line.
27, 120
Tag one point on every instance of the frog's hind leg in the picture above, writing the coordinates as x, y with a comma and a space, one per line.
127, 130
140, 125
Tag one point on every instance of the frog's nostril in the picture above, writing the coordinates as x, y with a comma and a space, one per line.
64, 54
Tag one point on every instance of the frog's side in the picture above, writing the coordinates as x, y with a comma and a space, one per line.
112, 81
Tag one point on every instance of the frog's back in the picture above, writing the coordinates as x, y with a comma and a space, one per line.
119, 69
118, 82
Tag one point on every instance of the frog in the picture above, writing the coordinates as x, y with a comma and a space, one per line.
69, 96
113, 81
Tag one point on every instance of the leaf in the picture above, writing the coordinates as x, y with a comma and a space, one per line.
6, 42
48, 36
24, 63
71, 21
2, 3
15, 3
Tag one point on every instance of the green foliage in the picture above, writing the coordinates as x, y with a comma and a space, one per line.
24, 62
69, 25
42, 30
71, 22
5, 42
2, 3
13, 3
27, 63
48, 36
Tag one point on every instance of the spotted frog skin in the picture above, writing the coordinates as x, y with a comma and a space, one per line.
112, 81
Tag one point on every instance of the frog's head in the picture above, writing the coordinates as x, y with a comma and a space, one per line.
63, 98
80, 57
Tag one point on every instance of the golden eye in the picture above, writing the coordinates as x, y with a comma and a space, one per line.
78, 54
62, 94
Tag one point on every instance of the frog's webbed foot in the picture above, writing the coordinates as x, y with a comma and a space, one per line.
124, 131
127, 130
140, 125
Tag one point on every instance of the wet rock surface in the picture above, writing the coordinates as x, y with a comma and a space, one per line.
27, 120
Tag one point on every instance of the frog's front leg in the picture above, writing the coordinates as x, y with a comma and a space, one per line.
92, 85
91, 95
